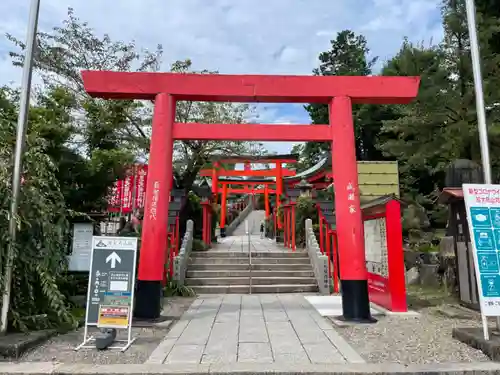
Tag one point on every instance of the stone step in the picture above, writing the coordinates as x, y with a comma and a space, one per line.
246, 266
245, 289
255, 254
243, 260
246, 273
246, 281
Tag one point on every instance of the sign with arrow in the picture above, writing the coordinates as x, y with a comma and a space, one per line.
111, 282
113, 258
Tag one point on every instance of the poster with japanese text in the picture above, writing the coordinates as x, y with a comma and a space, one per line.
482, 203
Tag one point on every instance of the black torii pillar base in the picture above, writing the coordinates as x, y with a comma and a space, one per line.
148, 300
223, 232
355, 302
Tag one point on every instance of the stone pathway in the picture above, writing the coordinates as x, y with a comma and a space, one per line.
254, 219
240, 244
268, 328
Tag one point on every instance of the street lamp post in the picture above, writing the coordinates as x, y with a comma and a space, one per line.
22, 122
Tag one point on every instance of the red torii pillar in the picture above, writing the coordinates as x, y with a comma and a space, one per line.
207, 222
349, 223
155, 223
223, 211
266, 201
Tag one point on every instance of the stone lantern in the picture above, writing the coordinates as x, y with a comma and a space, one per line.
305, 188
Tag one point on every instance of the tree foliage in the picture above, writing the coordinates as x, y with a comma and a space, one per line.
42, 223
440, 126
348, 56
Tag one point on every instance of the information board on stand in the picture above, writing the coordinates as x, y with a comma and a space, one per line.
110, 295
482, 203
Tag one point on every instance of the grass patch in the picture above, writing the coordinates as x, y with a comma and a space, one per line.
420, 297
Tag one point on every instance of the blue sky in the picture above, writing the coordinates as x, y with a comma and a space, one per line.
238, 36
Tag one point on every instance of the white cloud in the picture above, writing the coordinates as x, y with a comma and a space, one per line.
243, 36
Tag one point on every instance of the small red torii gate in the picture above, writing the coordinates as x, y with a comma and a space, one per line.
338, 92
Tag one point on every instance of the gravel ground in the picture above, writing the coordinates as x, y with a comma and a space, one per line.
61, 348
413, 340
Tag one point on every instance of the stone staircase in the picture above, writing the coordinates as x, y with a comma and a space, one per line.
229, 272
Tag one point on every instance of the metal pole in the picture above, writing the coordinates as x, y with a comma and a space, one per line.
22, 122
478, 85
481, 114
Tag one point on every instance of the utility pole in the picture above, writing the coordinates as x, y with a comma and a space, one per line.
480, 109
22, 124
478, 86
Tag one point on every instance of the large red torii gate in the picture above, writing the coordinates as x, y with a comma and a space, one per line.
340, 93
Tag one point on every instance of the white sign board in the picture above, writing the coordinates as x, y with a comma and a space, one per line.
373, 240
110, 295
81, 249
482, 203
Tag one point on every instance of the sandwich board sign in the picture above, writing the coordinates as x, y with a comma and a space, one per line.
110, 295
482, 204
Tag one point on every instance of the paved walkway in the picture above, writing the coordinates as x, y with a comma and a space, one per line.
254, 219
253, 329
238, 242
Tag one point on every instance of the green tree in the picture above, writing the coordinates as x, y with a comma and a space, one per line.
348, 56
106, 134
42, 222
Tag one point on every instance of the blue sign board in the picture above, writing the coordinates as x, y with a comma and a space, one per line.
483, 213
482, 203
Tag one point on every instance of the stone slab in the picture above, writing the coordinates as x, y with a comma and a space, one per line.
16, 344
255, 352
474, 337
185, 354
330, 305
43, 368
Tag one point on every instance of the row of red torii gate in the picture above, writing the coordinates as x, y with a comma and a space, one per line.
339, 93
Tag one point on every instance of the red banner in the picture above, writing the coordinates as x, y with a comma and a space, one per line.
127, 193
140, 187
115, 197
122, 195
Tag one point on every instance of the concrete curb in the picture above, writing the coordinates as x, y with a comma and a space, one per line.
42, 368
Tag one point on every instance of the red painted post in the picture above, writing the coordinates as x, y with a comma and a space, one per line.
279, 188
293, 227
210, 227
285, 232
274, 221
266, 200
335, 264
167, 254
223, 211
355, 301
321, 245
215, 181
177, 235
155, 223
395, 256
328, 252
171, 252
204, 230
